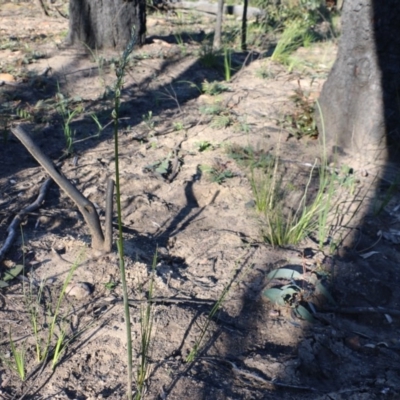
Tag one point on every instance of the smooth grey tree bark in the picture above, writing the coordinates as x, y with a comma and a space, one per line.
106, 23
360, 101
218, 25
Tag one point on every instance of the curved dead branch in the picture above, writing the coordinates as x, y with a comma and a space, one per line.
84, 205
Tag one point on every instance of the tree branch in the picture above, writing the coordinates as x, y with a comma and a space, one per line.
85, 206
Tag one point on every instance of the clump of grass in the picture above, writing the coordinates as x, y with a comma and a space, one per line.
213, 88
281, 225
208, 57
212, 109
295, 35
218, 172
222, 118
18, 355
46, 347
291, 212
222, 121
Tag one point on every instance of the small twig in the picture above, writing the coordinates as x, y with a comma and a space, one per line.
171, 300
372, 245
12, 229
363, 310
251, 375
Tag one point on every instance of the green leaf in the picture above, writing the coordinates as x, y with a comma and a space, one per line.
3, 284
163, 167
324, 291
274, 295
284, 273
291, 286
303, 313
13, 272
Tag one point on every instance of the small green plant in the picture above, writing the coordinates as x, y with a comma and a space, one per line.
302, 292
23, 113
178, 126
243, 126
67, 116
18, 364
203, 146
218, 172
213, 88
222, 121
251, 158
100, 61
149, 121
181, 43
222, 118
10, 274
161, 167
111, 285
212, 109
100, 127
302, 122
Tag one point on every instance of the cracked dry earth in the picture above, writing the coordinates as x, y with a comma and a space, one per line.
207, 233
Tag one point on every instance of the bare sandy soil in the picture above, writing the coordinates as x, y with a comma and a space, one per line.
207, 233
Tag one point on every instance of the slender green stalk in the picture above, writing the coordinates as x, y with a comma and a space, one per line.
60, 346
120, 244
198, 344
227, 63
146, 327
19, 359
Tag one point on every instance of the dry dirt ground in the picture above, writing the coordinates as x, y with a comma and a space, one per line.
207, 233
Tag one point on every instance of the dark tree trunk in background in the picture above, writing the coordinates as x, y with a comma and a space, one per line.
106, 23
360, 101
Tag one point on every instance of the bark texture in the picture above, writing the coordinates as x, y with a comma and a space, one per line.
360, 101
106, 23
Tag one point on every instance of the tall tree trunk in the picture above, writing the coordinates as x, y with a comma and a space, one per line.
360, 101
218, 25
244, 25
106, 23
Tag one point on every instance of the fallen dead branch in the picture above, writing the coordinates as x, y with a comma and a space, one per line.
84, 205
